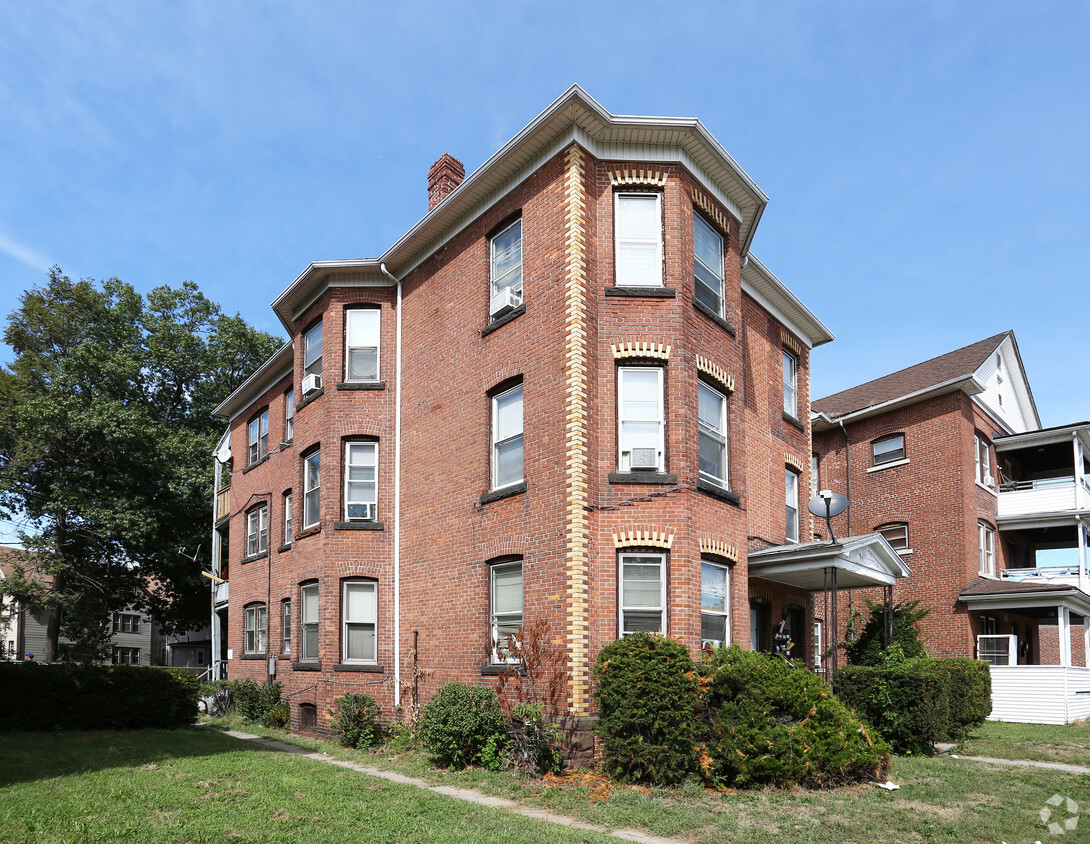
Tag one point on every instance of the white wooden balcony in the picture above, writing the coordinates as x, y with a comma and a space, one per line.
1067, 575
1044, 496
221, 592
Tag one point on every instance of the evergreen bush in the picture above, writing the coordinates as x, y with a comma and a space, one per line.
458, 722
970, 694
356, 720
769, 722
95, 697
255, 701
647, 697
869, 647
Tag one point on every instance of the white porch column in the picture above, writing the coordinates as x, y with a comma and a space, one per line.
1086, 640
1084, 578
1063, 625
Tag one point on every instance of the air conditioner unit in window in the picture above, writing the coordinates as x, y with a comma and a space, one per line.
504, 302
645, 459
361, 512
311, 383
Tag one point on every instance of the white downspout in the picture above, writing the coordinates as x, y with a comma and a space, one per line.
397, 496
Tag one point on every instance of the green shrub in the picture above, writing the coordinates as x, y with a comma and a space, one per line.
908, 703
970, 694
95, 697
869, 647
400, 738
356, 720
254, 701
768, 722
647, 695
536, 740
456, 724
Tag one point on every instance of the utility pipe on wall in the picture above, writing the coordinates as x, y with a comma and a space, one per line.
397, 495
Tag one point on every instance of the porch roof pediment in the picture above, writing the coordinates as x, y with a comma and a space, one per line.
860, 561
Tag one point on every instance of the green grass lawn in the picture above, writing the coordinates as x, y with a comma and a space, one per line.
1041, 743
200, 785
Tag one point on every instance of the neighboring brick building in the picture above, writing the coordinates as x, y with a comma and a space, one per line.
568, 393
948, 461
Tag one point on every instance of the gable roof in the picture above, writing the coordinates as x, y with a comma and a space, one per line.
943, 374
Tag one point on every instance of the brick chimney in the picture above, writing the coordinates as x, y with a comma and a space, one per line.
443, 177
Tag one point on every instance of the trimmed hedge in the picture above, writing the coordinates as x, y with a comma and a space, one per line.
647, 698
919, 702
768, 722
95, 697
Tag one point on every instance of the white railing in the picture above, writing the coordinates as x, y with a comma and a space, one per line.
997, 649
1040, 694
1045, 495
1068, 575
222, 592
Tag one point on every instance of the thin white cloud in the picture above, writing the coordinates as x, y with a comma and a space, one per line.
23, 254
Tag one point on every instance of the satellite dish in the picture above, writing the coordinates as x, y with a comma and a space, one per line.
827, 504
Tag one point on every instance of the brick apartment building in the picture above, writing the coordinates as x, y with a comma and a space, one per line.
947, 459
568, 393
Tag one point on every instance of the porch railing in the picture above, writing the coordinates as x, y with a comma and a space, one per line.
997, 649
223, 503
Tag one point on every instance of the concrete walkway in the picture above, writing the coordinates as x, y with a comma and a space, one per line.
944, 750
466, 794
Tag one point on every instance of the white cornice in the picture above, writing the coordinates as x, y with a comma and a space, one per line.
274, 369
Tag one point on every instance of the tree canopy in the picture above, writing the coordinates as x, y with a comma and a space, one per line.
106, 431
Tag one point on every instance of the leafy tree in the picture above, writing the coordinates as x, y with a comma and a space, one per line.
106, 428
869, 647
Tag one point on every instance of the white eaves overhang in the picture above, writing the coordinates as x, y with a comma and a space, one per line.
1071, 597
276, 367
860, 561
759, 282
573, 117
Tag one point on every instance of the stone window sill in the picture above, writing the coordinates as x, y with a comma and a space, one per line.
791, 420
362, 385
893, 464
309, 398
358, 526
658, 478
642, 292
714, 317
309, 665
253, 557
255, 465
504, 492
359, 668
718, 492
252, 656
497, 670
511, 316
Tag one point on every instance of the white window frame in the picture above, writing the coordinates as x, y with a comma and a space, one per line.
308, 622
983, 457
512, 278
312, 489
312, 350
360, 455
510, 439
882, 455
815, 474
285, 625
258, 438
986, 540
718, 435
257, 531
619, 242
287, 518
894, 528
624, 456
357, 314
624, 608
723, 615
501, 653
790, 383
369, 620
289, 415
817, 643
791, 505
717, 274
255, 629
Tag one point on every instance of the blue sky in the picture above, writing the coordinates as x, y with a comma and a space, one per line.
927, 163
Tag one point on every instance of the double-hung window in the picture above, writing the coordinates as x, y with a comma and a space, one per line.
506, 269
312, 483
360, 482
888, 449
983, 451
712, 428
361, 344
257, 530
714, 604
790, 384
896, 535
638, 239
255, 629
312, 350
642, 599
507, 453
287, 518
126, 623
289, 416
641, 438
360, 608
259, 438
708, 265
285, 625
986, 535
506, 609
308, 621
791, 499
